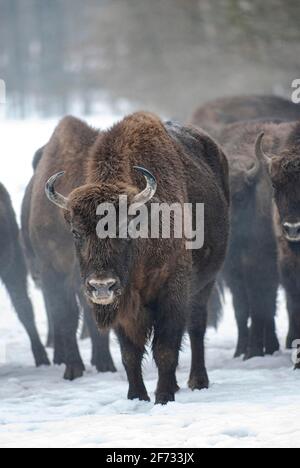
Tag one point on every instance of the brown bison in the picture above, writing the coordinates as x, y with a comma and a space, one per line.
250, 269
13, 273
213, 115
251, 207
144, 285
283, 167
54, 269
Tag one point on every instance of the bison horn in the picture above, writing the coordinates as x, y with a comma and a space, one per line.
259, 151
55, 197
149, 192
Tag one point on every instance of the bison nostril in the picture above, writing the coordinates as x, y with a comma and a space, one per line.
110, 285
286, 227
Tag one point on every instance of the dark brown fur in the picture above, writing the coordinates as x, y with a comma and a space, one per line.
13, 273
51, 261
164, 286
251, 265
215, 114
284, 172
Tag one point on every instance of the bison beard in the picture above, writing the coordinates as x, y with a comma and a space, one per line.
105, 317
158, 286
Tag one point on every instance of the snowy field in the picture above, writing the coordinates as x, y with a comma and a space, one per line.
249, 404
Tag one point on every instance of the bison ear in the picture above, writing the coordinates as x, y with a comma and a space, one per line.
264, 158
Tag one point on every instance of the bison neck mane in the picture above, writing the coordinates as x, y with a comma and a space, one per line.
137, 139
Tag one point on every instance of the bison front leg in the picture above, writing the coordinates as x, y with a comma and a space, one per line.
132, 357
168, 333
166, 352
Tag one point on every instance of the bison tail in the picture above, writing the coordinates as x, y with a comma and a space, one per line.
216, 305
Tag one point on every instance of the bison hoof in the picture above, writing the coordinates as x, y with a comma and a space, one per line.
104, 365
240, 351
138, 396
42, 360
297, 366
272, 348
241, 348
254, 352
164, 398
238, 354
199, 382
74, 371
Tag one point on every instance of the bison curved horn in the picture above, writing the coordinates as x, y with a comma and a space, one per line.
149, 192
259, 151
55, 197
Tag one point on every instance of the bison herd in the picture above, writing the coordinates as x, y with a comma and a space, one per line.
240, 157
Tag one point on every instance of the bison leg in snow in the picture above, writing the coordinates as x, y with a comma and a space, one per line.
15, 280
197, 328
262, 293
242, 312
166, 347
132, 357
61, 303
169, 325
101, 357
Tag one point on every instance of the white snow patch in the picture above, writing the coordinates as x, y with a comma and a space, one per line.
249, 404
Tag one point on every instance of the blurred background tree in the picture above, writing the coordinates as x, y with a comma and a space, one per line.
60, 56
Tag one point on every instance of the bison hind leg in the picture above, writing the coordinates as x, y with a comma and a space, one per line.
61, 303
101, 356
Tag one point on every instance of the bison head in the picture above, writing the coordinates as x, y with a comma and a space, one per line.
106, 264
284, 171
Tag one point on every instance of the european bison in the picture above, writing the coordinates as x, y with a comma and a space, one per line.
283, 167
213, 115
53, 266
142, 285
13, 273
250, 269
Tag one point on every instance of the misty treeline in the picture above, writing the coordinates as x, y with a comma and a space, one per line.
58, 56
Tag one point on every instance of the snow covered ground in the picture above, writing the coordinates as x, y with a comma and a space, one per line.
249, 404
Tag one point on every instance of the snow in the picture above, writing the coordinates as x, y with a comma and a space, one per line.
249, 404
